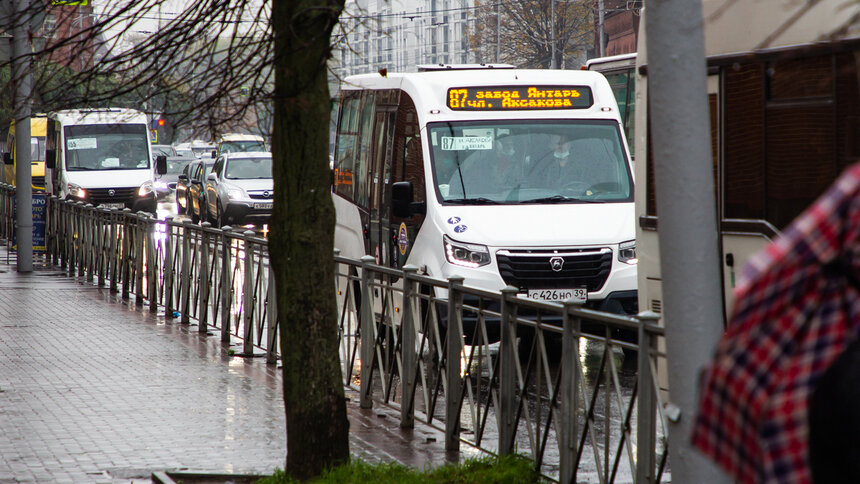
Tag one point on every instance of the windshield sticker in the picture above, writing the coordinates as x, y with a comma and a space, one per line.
402, 239
82, 143
460, 229
454, 220
460, 143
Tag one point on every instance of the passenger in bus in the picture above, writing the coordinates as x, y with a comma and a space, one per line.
575, 166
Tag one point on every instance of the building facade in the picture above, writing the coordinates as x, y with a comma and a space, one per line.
397, 35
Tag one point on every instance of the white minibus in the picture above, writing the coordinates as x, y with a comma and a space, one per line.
103, 157
506, 177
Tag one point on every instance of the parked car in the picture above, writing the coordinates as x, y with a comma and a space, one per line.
165, 184
239, 190
195, 195
182, 183
233, 143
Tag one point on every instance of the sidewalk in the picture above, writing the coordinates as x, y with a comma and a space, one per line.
94, 389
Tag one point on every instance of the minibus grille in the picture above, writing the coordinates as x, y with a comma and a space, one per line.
556, 268
103, 195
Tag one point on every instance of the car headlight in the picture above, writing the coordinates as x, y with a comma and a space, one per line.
627, 252
466, 255
235, 193
161, 184
76, 191
145, 189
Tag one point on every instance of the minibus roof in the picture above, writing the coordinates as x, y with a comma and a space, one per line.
99, 116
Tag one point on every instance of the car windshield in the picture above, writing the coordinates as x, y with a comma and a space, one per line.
107, 147
176, 166
248, 168
242, 146
571, 161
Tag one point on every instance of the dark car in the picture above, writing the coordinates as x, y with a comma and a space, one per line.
182, 184
195, 195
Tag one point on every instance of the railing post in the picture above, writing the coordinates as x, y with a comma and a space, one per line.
368, 333
452, 366
568, 391
185, 283
139, 237
226, 284
90, 239
507, 372
113, 253
168, 268
150, 225
646, 432
126, 251
203, 300
248, 298
101, 256
407, 347
272, 310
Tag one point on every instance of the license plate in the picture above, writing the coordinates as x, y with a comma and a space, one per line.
113, 205
579, 294
263, 205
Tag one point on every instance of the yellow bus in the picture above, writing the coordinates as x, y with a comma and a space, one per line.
38, 128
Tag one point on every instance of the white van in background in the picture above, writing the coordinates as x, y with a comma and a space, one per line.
102, 156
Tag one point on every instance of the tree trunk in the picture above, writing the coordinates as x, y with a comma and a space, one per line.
302, 238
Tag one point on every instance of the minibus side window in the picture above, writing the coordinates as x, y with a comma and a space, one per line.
346, 145
363, 160
408, 153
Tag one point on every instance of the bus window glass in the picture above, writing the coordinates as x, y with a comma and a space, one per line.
623, 85
346, 142
518, 162
106, 147
365, 142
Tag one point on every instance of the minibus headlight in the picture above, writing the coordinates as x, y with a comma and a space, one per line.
145, 189
76, 191
627, 252
466, 255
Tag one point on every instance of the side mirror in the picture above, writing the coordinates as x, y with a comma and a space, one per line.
7, 158
182, 177
161, 164
50, 159
212, 177
401, 199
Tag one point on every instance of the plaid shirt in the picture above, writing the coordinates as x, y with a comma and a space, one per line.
792, 317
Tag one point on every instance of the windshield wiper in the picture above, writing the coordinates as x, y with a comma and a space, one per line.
559, 199
473, 201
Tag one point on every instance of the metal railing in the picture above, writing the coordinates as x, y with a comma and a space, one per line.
494, 371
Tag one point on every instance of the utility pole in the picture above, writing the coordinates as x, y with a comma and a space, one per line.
498, 31
22, 76
552, 63
600, 29
686, 207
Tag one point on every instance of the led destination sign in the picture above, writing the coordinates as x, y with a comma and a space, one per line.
513, 98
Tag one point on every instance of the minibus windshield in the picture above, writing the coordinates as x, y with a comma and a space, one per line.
106, 147
529, 161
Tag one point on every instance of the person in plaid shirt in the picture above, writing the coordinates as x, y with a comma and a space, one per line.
796, 310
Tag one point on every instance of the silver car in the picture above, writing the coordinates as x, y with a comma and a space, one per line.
239, 189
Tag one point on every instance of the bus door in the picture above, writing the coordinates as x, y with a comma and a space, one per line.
378, 242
